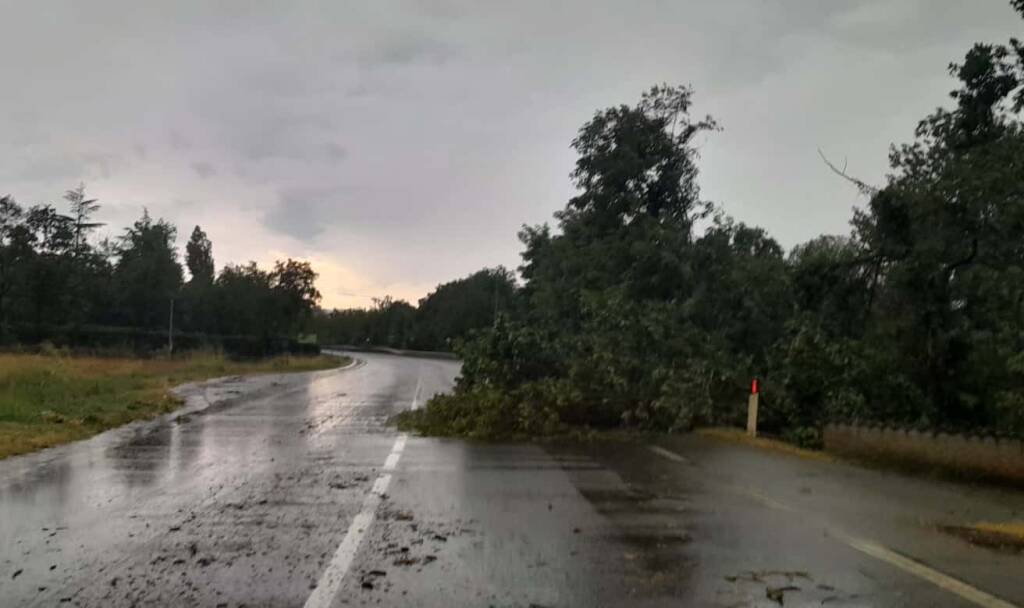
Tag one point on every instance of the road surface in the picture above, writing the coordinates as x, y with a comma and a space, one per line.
293, 491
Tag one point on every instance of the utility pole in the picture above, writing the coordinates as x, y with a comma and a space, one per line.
170, 330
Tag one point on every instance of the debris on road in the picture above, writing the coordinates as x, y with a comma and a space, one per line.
369, 579
759, 576
777, 594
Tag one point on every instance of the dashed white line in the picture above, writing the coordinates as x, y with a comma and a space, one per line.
330, 581
392, 460
660, 451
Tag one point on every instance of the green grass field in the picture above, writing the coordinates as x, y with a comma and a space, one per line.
47, 399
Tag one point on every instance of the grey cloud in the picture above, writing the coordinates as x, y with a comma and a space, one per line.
52, 168
102, 164
306, 213
302, 213
407, 49
36, 164
178, 140
204, 169
421, 134
335, 151
278, 133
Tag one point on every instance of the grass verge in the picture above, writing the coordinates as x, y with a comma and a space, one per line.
1006, 536
739, 436
1015, 529
885, 463
47, 400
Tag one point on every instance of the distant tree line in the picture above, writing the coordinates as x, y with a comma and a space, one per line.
648, 306
442, 318
60, 284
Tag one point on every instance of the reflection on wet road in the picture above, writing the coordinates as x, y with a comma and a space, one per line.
239, 502
261, 493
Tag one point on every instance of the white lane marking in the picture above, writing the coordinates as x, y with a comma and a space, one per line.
392, 460
766, 500
330, 581
943, 581
971, 594
399, 445
868, 547
669, 454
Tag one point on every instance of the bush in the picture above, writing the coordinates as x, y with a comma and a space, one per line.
142, 341
480, 412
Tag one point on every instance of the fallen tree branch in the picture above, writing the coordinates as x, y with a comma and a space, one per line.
864, 187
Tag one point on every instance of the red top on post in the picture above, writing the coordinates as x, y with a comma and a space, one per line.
753, 387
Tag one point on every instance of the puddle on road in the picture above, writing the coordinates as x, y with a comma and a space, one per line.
656, 521
650, 528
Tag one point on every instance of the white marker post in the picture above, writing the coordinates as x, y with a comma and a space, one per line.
752, 410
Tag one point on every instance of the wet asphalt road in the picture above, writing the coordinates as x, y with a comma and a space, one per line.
256, 494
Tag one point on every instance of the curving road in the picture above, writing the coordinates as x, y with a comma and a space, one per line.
291, 490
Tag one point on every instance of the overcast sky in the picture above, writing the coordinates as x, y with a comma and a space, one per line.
401, 144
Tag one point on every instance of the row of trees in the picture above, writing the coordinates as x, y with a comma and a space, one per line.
442, 318
59, 282
56, 278
630, 314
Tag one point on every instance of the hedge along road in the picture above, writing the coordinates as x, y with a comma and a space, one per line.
293, 491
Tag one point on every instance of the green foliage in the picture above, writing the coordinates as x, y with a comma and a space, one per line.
388, 322
147, 273
944, 236
627, 317
293, 286
507, 354
57, 283
199, 257
478, 413
630, 316
450, 312
442, 319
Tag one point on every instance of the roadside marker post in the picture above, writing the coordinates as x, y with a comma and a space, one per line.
752, 409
